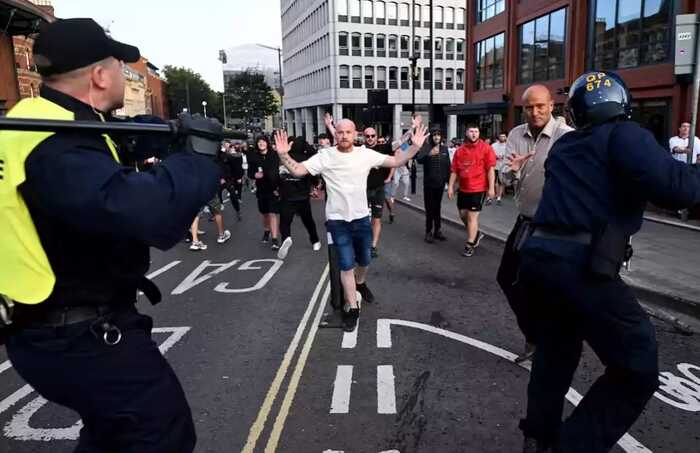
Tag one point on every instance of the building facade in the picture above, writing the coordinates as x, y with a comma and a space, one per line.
352, 58
514, 43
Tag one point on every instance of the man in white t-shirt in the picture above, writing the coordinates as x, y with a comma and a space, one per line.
344, 168
679, 144
500, 149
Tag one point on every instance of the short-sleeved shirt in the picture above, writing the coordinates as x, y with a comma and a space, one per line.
683, 143
500, 150
471, 163
377, 176
345, 175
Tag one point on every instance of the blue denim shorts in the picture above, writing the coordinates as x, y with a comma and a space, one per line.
352, 240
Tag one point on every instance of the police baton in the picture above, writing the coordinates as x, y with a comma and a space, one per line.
203, 135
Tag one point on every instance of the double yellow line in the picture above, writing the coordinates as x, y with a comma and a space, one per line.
258, 426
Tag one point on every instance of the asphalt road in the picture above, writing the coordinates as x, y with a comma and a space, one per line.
427, 371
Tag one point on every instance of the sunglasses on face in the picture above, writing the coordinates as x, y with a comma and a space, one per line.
370, 136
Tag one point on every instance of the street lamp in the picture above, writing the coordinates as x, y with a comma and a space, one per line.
281, 86
204, 105
223, 60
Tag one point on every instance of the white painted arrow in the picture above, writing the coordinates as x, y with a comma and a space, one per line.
627, 442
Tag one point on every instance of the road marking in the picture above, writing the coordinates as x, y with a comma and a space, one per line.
386, 392
162, 270
296, 376
19, 427
250, 265
4, 366
259, 424
350, 338
340, 402
627, 442
194, 279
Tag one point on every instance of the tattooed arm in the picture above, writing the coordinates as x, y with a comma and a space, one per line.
282, 146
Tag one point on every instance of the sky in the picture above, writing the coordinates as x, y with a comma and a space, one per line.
184, 33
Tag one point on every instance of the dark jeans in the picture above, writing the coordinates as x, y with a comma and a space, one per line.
507, 278
303, 209
578, 307
433, 204
234, 192
127, 395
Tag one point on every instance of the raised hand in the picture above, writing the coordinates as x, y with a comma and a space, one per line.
417, 121
281, 142
516, 162
419, 134
328, 119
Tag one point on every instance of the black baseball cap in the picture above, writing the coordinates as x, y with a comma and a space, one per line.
68, 44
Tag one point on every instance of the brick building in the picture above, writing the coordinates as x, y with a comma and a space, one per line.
513, 43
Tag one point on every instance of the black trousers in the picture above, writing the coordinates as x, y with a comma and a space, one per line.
574, 306
433, 205
301, 208
127, 395
507, 278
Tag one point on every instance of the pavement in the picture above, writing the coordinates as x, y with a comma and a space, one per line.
429, 368
666, 259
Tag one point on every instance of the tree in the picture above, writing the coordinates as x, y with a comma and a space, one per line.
249, 96
187, 89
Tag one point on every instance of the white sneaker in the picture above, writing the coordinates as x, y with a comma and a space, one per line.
284, 248
406, 199
316, 246
198, 245
223, 237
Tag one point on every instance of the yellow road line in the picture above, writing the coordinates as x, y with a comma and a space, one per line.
259, 424
296, 376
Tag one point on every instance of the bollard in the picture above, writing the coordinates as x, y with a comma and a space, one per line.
337, 296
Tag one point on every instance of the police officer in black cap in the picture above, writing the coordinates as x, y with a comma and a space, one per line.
599, 179
85, 346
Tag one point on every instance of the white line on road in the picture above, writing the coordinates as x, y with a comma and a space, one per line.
272, 443
4, 366
340, 402
162, 270
627, 442
259, 424
350, 338
386, 392
15, 397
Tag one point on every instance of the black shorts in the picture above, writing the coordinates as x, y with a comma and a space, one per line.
471, 201
268, 204
375, 199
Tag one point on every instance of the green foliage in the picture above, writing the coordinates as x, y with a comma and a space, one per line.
187, 89
249, 96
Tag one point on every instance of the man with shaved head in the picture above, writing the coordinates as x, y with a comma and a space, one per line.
345, 168
527, 147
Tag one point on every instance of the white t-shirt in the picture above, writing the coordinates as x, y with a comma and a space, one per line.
683, 143
345, 175
500, 150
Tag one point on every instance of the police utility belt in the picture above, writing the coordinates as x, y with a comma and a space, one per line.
610, 249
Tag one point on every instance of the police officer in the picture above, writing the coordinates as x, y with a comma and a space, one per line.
598, 181
77, 337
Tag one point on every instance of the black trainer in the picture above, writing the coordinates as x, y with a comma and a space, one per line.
373, 252
366, 294
350, 318
275, 244
266, 237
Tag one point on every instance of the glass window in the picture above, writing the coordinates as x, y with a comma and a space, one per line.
489, 62
381, 46
439, 43
450, 48
449, 79
393, 46
416, 15
393, 77
344, 76
450, 18
357, 76
438, 78
342, 6
427, 79
356, 44
343, 43
416, 45
460, 49
367, 11
630, 33
426, 16
426, 47
541, 48
460, 18
486, 9
369, 45
460, 79
392, 13
369, 77
439, 16
404, 14
354, 10
404, 78
404, 46
379, 13
381, 77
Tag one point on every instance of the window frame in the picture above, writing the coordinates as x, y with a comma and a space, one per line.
533, 54
485, 74
488, 9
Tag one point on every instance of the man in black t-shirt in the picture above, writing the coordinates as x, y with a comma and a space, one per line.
375, 185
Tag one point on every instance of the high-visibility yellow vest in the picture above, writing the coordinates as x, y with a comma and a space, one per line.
25, 272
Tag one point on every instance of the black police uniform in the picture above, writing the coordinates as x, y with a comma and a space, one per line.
96, 220
598, 181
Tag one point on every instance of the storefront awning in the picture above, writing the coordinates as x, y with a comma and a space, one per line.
21, 17
483, 108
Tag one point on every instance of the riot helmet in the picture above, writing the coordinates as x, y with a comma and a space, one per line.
597, 97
